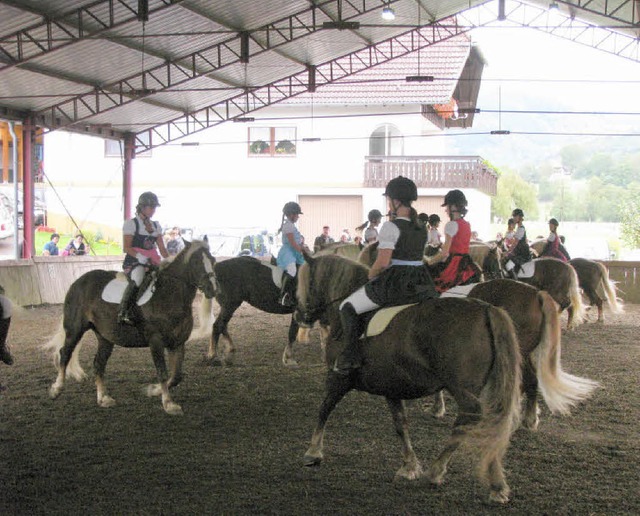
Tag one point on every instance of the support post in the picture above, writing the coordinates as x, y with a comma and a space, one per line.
28, 246
129, 154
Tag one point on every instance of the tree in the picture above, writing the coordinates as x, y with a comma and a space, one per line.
514, 192
629, 217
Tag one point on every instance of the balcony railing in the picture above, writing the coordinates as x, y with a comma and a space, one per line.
432, 172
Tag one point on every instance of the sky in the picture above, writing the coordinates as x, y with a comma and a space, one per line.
530, 70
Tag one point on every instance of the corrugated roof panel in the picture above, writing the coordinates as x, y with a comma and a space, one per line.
197, 94
25, 90
96, 61
134, 117
14, 20
263, 69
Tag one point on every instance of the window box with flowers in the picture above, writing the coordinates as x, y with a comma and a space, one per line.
272, 141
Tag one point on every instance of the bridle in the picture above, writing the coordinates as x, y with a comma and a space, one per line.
312, 312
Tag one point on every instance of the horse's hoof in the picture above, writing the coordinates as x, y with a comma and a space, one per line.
153, 390
409, 473
436, 475
438, 413
500, 496
173, 409
311, 461
290, 362
54, 392
106, 402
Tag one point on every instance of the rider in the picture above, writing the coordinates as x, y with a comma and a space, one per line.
290, 254
434, 243
398, 275
520, 252
458, 265
371, 232
142, 239
552, 247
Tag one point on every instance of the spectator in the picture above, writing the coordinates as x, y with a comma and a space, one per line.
322, 240
175, 244
76, 247
51, 247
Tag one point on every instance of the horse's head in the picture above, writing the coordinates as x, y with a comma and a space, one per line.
323, 282
199, 267
492, 264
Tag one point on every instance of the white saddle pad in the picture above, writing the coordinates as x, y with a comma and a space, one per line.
458, 291
527, 270
382, 318
276, 274
114, 290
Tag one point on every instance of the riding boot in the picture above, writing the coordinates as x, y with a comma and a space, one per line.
351, 357
126, 305
5, 353
288, 290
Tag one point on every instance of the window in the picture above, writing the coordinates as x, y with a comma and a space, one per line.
386, 140
272, 141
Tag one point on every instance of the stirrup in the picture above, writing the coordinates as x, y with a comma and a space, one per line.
346, 367
287, 300
125, 318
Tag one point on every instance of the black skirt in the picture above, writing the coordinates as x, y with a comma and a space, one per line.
400, 285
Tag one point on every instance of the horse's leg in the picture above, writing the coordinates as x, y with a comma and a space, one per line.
156, 345
411, 469
65, 342
220, 328
337, 387
530, 388
599, 304
570, 317
176, 360
469, 413
438, 409
287, 355
105, 348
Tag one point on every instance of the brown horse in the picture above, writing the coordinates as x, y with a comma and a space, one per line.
560, 280
165, 323
593, 278
537, 321
346, 249
465, 346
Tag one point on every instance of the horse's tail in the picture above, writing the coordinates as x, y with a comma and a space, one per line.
55, 344
607, 290
206, 317
500, 396
560, 390
575, 297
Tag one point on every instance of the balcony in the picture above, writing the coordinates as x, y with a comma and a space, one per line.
432, 172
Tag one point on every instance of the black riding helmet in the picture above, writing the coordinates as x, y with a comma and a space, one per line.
517, 212
455, 197
292, 208
402, 189
148, 199
554, 222
374, 215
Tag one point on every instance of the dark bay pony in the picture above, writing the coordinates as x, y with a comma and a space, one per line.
166, 321
537, 321
560, 280
246, 279
593, 278
465, 346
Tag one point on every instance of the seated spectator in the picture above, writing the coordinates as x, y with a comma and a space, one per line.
175, 244
322, 240
76, 247
51, 247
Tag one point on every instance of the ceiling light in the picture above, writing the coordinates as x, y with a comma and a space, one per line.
388, 14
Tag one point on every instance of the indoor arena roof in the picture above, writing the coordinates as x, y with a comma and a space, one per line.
163, 69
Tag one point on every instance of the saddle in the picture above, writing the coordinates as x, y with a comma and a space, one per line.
114, 290
379, 320
276, 273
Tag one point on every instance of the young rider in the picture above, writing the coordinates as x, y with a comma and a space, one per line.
398, 275
371, 232
142, 239
552, 247
290, 254
434, 243
520, 252
458, 265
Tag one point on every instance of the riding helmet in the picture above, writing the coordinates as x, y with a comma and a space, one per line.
292, 208
554, 222
402, 189
517, 212
455, 197
434, 219
374, 215
148, 199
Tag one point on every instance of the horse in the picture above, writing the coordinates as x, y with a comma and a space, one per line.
165, 323
346, 249
247, 279
537, 321
467, 347
593, 278
560, 280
